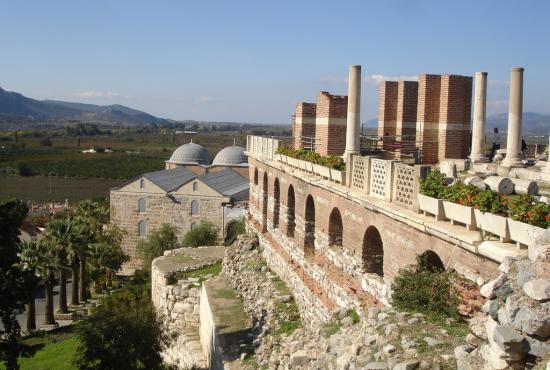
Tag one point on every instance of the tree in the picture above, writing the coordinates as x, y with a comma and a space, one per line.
124, 332
12, 281
46, 257
29, 263
156, 243
90, 216
202, 235
234, 228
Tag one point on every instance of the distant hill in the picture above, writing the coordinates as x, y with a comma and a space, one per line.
533, 123
16, 107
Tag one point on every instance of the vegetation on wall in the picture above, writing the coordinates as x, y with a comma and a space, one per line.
204, 234
234, 229
524, 208
156, 243
330, 161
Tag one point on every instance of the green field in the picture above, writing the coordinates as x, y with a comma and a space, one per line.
37, 188
55, 350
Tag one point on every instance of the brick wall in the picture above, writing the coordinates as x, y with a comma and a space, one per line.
387, 113
407, 100
303, 123
330, 124
429, 88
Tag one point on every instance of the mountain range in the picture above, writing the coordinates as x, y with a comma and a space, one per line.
17, 107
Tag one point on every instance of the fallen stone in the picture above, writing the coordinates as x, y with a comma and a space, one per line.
506, 265
432, 342
502, 185
489, 290
299, 358
490, 307
509, 340
538, 289
524, 272
477, 326
533, 320
373, 312
475, 181
389, 349
407, 365
376, 366
537, 348
346, 322
540, 250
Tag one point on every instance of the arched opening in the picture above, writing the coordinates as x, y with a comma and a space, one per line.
256, 176
291, 215
430, 261
141, 184
142, 228
309, 236
195, 186
335, 228
264, 203
373, 252
277, 203
195, 208
141, 205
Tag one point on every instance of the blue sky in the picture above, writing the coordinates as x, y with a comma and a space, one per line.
251, 61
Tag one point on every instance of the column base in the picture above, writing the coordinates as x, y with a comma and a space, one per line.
512, 162
480, 159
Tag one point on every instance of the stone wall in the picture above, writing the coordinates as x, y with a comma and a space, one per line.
330, 124
208, 337
160, 209
387, 113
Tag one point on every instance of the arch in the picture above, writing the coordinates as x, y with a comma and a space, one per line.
277, 203
195, 208
141, 205
335, 228
264, 202
195, 186
255, 175
372, 253
141, 183
142, 228
291, 212
429, 260
309, 236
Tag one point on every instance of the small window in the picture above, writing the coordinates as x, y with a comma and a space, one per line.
195, 186
195, 207
141, 184
142, 228
193, 225
141, 205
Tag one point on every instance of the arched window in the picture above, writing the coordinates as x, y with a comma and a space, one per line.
291, 215
141, 183
142, 228
309, 237
373, 252
256, 176
277, 203
195, 186
264, 202
431, 261
141, 205
335, 228
195, 207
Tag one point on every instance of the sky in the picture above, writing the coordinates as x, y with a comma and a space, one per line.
252, 61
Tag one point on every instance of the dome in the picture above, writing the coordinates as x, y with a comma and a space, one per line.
190, 153
230, 156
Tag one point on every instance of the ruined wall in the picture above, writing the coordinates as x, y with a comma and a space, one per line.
405, 127
303, 123
387, 113
330, 124
160, 209
339, 274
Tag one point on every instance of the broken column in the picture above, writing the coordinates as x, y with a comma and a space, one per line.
478, 131
515, 109
354, 111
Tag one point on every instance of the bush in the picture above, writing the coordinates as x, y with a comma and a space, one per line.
203, 235
23, 169
46, 141
99, 149
331, 161
525, 208
124, 332
156, 243
234, 228
432, 185
460, 193
490, 201
426, 288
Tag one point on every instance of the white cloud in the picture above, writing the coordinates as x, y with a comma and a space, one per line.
204, 99
97, 94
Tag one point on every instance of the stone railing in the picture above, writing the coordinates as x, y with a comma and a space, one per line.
263, 146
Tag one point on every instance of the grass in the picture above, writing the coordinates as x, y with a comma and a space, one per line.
56, 350
37, 188
213, 270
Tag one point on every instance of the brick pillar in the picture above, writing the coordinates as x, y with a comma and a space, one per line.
330, 124
303, 123
455, 116
405, 125
427, 121
387, 113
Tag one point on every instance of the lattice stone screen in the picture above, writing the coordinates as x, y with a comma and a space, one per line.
262, 145
403, 187
360, 173
380, 178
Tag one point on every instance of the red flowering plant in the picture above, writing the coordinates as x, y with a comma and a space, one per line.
490, 201
525, 208
460, 193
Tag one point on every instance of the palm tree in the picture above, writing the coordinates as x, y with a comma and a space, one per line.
90, 216
29, 261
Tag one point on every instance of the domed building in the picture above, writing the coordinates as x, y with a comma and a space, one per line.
189, 154
231, 156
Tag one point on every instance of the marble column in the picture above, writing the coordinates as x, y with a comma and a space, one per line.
354, 110
515, 109
480, 109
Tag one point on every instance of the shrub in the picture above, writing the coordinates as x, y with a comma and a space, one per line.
203, 235
234, 228
156, 243
490, 201
525, 208
331, 161
24, 169
460, 193
426, 288
46, 141
124, 332
432, 185
99, 149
